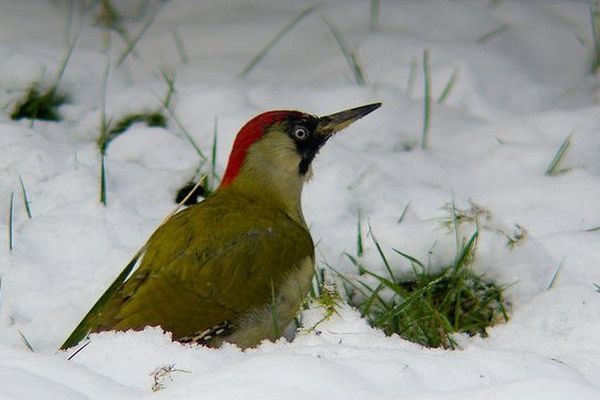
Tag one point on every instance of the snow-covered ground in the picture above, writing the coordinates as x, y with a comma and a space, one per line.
518, 94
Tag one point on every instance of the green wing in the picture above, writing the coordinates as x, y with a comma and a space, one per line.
208, 264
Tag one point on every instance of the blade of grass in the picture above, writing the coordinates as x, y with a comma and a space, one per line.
492, 34
412, 77
65, 61
25, 341
169, 78
374, 16
552, 169
11, 222
404, 212
186, 134
464, 257
448, 88
181, 50
410, 258
103, 197
78, 350
555, 276
213, 156
426, 101
131, 45
351, 57
258, 58
380, 251
359, 239
595, 19
25, 198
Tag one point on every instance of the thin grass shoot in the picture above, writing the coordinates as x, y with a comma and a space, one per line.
556, 273
426, 101
26, 201
350, 55
258, 58
554, 166
11, 226
448, 88
486, 37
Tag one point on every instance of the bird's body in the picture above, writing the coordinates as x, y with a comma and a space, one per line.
235, 267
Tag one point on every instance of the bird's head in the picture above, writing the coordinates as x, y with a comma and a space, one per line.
273, 152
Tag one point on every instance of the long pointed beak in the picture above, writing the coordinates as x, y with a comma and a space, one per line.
330, 124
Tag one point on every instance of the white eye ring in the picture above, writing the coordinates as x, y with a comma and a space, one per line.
300, 132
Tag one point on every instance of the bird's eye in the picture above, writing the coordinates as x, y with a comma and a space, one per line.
300, 132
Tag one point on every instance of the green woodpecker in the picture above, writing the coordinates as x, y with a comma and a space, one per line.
236, 267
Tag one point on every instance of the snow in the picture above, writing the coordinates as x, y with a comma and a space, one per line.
517, 96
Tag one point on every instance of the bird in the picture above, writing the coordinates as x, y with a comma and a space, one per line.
236, 266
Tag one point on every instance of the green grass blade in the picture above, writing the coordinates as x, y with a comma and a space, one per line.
381, 254
404, 212
351, 57
65, 62
186, 134
555, 276
103, 196
426, 101
25, 341
181, 50
448, 88
595, 20
359, 239
131, 45
374, 16
11, 226
553, 168
169, 78
25, 198
412, 77
466, 254
410, 258
78, 350
483, 39
275, 40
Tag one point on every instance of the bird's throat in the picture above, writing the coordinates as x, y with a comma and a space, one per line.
271, 174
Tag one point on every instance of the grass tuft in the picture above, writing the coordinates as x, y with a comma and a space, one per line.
258, 58
554, 169
428, 308
109, 133
351, 56
44, 104
37, 104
